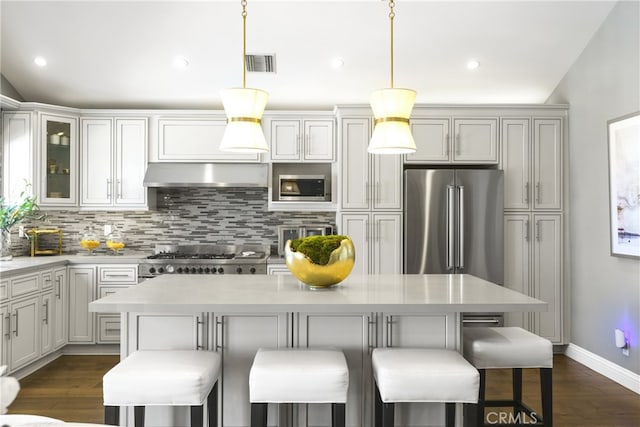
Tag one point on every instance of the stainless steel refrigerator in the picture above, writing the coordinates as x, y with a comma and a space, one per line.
453, 223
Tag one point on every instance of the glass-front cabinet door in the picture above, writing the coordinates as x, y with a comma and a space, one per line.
58, 168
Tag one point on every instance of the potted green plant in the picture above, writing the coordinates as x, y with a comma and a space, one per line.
320, 261
13, 213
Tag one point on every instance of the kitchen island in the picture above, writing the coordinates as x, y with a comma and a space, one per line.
235, 315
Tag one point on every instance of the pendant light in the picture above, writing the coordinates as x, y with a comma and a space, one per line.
244, 107
391, 110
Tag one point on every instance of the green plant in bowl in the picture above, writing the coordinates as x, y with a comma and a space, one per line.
320, 261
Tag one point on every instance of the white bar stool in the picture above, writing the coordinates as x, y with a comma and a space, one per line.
163, 378
298, 376
511, 348
423, 375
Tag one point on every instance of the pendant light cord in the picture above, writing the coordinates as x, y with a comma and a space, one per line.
392, 15
244, 43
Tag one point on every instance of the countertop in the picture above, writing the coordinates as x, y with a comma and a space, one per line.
283, 293
22, 264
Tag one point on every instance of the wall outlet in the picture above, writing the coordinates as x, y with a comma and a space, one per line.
21, 231
625, 351
107, 229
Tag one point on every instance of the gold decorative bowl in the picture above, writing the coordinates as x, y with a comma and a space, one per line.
314, 275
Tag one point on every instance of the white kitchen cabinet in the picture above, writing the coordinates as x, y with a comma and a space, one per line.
60, 307
46, 323
6, 334
82, 290
547, 163
460, 140
114, 161
367, 181
18, 154
301, 139
24, 331
24, 284
377, 238
533, 266
108, 324
237, 337
356, 339
275, 269
58, 160
533, 172
194, 139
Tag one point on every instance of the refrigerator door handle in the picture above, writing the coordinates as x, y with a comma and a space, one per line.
450, 226
460, 227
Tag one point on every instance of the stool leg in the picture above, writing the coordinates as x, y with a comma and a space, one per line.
197, 416
470, 415
112, 415
138, 415
481, 397
450, 414
378, 409
258, 415
212, 406
387, 414
338, 415
547, 396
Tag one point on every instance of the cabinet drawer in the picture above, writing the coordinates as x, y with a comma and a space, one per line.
24, 284
47, 279
121, 274
104, 291
4, 290
108, 328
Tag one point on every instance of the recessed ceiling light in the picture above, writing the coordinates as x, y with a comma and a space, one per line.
180, 62
473, 64
40, 61
337, 63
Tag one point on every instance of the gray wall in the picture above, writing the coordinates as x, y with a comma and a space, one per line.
603, 83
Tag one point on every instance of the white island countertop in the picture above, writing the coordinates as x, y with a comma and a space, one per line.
283, 293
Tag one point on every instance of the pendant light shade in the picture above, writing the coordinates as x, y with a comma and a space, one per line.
391, 110
244, 108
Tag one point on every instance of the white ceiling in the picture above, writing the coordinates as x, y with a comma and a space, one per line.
108, 54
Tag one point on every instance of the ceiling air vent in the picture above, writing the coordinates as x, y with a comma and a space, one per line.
260, 63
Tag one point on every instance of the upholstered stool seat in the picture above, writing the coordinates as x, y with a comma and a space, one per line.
17, 420
163, 378
511, 348
422, 375
298, 376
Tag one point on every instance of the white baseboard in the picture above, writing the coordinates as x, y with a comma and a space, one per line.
604, 367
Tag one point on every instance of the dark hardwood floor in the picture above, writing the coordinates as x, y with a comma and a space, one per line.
70, 389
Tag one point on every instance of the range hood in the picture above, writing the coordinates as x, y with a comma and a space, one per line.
206, 175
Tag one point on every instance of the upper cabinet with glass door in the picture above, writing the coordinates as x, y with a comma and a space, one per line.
58, 164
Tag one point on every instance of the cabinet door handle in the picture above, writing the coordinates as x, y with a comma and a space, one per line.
15, 331
119, 189
58, 286
446, 145
537, 192
458, 144
117, 275
46, 312
377, 232
108, 188
198, 323
526, 192
367, 189
526, 230
371, 334
538, 231
389, 321
377, 191
366, 230
218, 343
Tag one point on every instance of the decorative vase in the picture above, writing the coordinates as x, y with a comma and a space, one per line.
314, 275
5, 245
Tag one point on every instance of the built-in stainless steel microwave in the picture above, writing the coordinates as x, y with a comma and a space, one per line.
304, 188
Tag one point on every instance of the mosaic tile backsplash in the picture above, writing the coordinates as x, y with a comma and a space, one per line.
185, 215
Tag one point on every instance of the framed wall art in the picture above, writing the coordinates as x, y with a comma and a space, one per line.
624, 184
